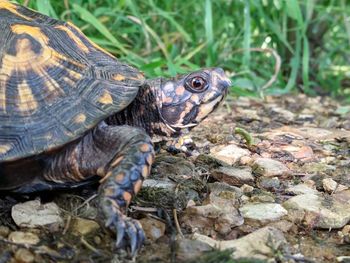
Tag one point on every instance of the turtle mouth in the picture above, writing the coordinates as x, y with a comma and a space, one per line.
204, 110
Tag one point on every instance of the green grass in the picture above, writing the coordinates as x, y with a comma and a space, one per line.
168, 37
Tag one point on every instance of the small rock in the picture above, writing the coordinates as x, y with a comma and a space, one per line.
269, 167
320, 212
211, 218
187, 249
283, 225
263, 212
261, 244
345, 234
4, 231
83, 226
229, 154
246, 189
34, 214
233, 175
331, 186
23, 255
23, 238
269, 183
301, 189
282, 114
160, 184
153, 228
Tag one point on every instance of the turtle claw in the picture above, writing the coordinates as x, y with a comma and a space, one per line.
129, 232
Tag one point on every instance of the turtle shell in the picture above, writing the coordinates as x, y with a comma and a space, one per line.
55, 84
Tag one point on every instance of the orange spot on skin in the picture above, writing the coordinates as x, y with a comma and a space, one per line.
119, 177
117, 161
80, 118
137, 186
105, 177
127, 197
74, 37
180, 91
106, 98
150, 159
145, 171
109, 192
12, 8
100, 171
145, 148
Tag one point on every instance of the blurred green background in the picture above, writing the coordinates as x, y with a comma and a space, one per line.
160, 37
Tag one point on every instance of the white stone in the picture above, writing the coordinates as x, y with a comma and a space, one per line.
263, 211
34, 214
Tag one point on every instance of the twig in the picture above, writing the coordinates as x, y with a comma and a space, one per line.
88, 246
177, 223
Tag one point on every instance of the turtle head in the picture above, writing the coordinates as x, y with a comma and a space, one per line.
185, 100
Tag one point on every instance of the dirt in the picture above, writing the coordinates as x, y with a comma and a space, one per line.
309, 137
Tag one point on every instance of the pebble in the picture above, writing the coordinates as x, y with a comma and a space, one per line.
269, 167
320, 212
20, 237
229, 154
263, 212
34, 214
153, 228
331, 186
83, 226
301, 189
233, 175
4, 231
23, 255
256, 245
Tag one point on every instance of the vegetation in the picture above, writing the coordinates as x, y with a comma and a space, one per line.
160, 37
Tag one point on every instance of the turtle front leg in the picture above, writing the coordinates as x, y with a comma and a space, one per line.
123, 179
122, 156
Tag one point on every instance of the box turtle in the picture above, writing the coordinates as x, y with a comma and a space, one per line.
70, 112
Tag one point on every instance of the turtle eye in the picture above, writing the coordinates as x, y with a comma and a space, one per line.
197, 84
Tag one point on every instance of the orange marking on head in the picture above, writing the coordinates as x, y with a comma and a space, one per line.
74, 37
137, 186
12, 8
117, 161
4, 148
145, 147
26, 100
106, 98
168, 100
180, 90
127, 197
80, 118
118, 77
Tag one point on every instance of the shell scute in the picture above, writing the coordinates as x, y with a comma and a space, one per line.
55, 84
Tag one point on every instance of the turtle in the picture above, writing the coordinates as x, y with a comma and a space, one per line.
72, 113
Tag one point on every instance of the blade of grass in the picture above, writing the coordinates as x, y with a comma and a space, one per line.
246, 36
208, 24
93, 21
167, 16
